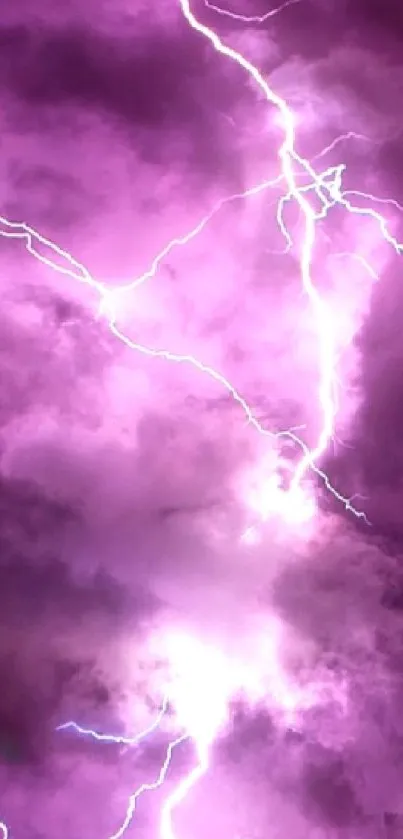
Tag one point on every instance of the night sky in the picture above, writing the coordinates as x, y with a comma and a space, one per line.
147, 548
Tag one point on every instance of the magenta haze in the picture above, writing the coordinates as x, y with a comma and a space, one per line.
229, 590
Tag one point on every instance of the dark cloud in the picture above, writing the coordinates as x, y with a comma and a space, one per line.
161, 90
371, 462
345, 600
329, 791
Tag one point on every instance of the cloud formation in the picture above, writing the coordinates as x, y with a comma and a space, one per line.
123, 478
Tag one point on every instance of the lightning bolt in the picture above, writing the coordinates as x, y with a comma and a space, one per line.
289, 159
176, 797
327, 190
180, 792
131, 809
326, 186
250, 18
116, 738
109, 301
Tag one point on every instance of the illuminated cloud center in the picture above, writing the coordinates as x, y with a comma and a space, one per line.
206, 677
294, 506
263, 493
203, 682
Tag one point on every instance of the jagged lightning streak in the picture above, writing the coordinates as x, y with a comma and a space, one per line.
328, 187
148, 787
289, 158
195, 231
361, 259
119, 739
109, 300
204, 680
110, 297
250, 18
181, 790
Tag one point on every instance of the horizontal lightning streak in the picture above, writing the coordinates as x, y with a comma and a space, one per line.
113, 738
250, 18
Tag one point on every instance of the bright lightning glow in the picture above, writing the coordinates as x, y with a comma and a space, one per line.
268, 498
4, 830
203, 682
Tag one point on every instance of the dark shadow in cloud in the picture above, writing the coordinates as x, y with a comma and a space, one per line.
313, 779
316, 28
159, 90
379, 433
30, 524
52, 625
34, 593
380, 24
250, 731
55, 363
370, 464
23, 714
39, 579
338, 602
389, 162
53, 193
332, 583
328, 793
38, 684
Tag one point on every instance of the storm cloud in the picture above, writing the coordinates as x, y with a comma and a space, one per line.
125, 481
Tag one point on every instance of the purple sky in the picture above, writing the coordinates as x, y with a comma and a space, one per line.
124, 478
